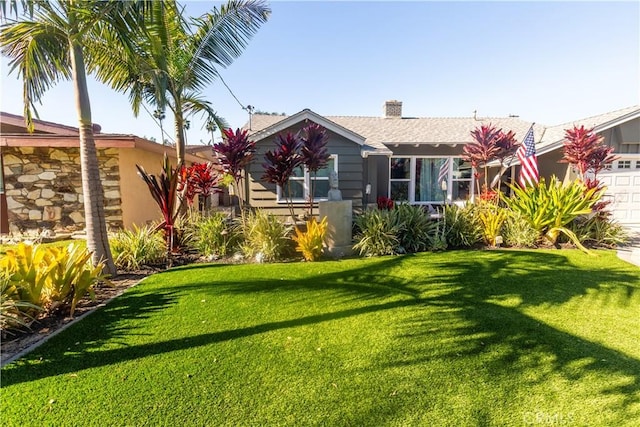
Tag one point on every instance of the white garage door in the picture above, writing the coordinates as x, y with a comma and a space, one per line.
623, 189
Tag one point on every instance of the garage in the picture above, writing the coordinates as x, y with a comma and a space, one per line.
623, 189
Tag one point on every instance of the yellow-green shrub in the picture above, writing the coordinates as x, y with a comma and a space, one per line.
549, 208
28, 271
310, 241
46, 276
491, 217
71, 275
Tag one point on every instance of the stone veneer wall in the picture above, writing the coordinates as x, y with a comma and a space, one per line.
44, 188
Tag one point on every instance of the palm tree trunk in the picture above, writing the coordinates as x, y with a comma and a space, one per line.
180, 144
93, 195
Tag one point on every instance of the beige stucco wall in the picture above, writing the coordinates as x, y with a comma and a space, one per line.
138, 207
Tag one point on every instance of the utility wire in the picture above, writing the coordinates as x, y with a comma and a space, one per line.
248, 108
158, 123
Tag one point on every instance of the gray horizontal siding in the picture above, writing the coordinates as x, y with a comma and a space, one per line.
350, 174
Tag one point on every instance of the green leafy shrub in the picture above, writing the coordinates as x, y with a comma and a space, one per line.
438, 240
213, 235
599, 231
415, 227
518, 232
462, 226
404, 229
310, 242
134, 248
550, 208
376, 233
266, 238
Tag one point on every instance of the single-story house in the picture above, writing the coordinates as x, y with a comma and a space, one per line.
402, 157
41, 185
393, 156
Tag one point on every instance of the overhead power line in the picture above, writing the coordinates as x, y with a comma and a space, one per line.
247, 108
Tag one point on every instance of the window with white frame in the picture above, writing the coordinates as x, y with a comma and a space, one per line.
624, 164
302, 182
424, 179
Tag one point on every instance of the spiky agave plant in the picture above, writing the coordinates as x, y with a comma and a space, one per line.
550, 208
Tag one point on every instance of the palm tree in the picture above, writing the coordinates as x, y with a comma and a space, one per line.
176, 59
50, 43
159, 115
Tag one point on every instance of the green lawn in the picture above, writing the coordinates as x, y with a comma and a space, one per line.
458, 338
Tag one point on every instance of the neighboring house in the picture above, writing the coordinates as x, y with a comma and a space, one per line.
42, 183
404, 157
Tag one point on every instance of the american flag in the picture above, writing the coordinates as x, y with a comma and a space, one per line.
528, 160
443, 174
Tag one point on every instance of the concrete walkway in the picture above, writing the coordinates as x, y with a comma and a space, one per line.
630, 252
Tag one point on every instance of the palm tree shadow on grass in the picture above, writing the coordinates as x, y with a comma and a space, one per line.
478, 325
462, 290
67, 354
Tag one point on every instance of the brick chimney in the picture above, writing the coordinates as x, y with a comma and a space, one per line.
393, 109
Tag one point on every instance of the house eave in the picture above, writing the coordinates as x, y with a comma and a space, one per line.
314, 117
598, 128
101, 141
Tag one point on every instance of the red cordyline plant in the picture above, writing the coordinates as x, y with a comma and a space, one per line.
315, 155
164, 190
235, 153
489, 144
281, 163
584, 150
507, 146
199, 179
482, 150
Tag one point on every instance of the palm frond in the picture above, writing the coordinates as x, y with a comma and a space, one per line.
38, 51
223, 34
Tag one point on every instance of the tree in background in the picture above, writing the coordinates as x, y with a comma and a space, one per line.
55, 40
176, 58
481, 150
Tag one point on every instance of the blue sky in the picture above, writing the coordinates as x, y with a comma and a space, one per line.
549, 62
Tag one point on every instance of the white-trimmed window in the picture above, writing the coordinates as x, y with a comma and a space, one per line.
302, 181
624, 164
429, 179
